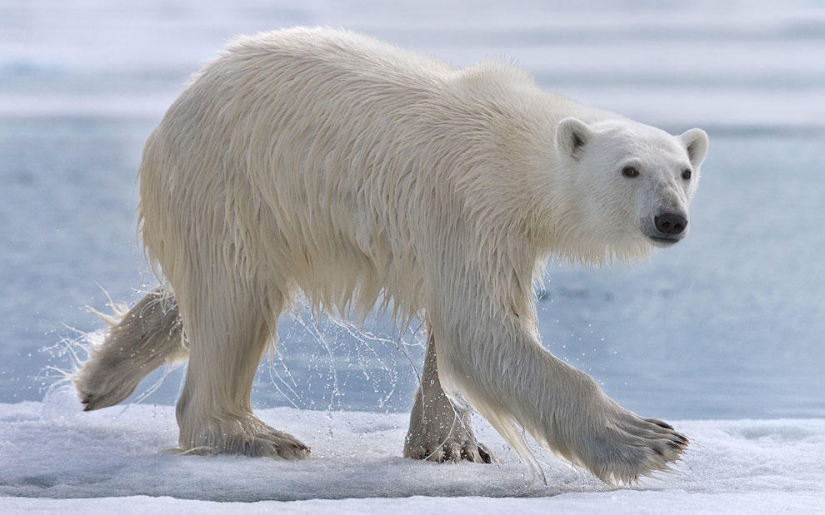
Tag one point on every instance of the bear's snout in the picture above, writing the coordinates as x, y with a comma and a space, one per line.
668, 228
670, 225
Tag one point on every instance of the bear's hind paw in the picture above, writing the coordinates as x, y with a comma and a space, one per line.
275, 445
247, 436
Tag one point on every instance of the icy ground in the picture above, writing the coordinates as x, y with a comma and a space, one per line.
57, 458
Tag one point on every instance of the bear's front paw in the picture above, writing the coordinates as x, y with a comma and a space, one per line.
246, 435
628, 447
454, 447
442, 432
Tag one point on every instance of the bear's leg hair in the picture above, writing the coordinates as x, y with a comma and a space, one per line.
144, 338
439, 430
493, 358
229, 323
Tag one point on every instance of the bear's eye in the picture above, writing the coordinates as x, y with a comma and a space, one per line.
686, 175
629, 171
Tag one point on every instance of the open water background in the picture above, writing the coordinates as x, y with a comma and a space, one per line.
728, 324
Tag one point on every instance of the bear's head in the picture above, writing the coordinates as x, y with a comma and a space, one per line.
631, 184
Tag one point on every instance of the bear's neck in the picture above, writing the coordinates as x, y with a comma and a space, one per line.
565, 232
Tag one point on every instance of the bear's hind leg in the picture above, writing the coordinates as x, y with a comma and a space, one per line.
440, 431
145, 338
228, 334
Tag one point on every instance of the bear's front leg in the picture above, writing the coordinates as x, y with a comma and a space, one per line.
440, 431
499, 366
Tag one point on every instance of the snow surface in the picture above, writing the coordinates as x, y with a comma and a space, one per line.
665, 63
56, 458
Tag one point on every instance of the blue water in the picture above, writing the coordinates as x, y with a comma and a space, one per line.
728, 324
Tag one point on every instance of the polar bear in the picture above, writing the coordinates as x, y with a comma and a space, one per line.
325, 164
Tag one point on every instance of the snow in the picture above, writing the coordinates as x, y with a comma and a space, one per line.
57, 458
743, 64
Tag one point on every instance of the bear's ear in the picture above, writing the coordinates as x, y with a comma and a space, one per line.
696, 143
572, 135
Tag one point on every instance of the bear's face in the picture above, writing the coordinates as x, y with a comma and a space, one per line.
633, 183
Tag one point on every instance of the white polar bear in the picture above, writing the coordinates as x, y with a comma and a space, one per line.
328, 164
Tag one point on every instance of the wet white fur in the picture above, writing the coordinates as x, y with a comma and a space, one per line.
328, 164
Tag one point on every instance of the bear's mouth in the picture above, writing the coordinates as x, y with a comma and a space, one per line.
663, 242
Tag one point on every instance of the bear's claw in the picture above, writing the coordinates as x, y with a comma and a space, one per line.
453, 451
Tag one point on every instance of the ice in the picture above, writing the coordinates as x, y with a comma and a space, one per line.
644, 61
57, 458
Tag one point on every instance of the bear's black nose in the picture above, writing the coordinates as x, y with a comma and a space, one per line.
670, 224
